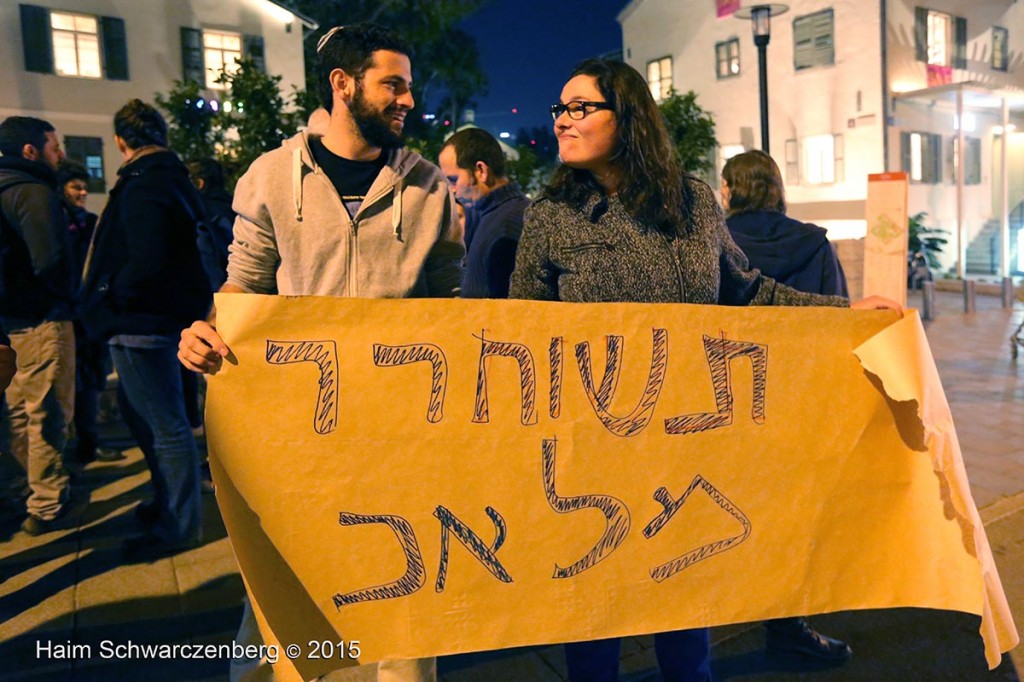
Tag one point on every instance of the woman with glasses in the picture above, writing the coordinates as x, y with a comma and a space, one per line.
621, 221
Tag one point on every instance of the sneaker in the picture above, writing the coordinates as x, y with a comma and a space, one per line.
65, 518
795, 636
109, 455
150, 547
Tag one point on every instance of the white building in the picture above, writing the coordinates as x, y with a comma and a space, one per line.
75, 62
859, 87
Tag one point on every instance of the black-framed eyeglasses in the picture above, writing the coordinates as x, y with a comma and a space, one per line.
577, 110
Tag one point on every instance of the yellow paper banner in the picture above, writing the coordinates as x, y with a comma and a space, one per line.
434, 477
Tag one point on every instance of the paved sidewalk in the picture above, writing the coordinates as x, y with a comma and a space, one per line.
69, 586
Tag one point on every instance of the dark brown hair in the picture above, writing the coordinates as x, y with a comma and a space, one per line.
652, 183
18, 131
755, 183
140, 125
476, 144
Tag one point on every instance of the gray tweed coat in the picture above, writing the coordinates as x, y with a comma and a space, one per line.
602, 254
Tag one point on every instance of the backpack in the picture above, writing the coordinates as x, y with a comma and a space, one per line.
213, 236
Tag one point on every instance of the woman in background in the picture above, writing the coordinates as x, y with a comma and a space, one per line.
789, 251
621, 221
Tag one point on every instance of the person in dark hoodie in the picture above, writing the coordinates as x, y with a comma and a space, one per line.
36, 302
144, 282
791, 252
797, 255
91, 357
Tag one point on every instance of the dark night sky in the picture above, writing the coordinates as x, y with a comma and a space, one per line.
528, 47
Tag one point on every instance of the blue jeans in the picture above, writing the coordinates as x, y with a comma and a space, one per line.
683, 656
153, 406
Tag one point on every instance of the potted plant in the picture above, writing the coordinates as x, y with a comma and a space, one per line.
923, 249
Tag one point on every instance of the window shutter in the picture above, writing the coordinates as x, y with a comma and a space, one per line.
960, 34
193, 67
252, 48
115, 48
932, 158
35, 38
921, 33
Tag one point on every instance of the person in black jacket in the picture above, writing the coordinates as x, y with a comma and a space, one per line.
798, 255
36, 301
145, 282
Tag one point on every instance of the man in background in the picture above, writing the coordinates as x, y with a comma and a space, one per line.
474, 164
36, 302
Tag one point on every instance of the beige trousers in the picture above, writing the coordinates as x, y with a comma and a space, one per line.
40, 405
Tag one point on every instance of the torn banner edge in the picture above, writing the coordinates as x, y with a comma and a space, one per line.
914, 377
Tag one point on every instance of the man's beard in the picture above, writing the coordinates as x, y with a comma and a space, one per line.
374, 125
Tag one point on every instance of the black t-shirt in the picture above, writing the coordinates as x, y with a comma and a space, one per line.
352, 179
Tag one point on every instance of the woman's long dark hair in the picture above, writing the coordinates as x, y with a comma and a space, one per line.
755, 183
651, 181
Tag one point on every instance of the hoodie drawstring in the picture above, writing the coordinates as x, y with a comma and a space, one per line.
297, 181
396, 210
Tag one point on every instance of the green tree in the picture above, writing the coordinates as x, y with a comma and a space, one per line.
304, 102
257, 121
193, 125
692, 131
526, 170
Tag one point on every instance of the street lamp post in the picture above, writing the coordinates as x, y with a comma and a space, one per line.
761, 22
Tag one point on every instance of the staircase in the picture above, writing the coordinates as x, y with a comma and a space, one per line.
983, 251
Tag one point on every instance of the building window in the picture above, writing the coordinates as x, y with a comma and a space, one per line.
88, 152
730, 150
814, 40
76, 44
940, 39
820, 159
922, 156
659, 77
71, 44
221, 52
726, 152
727, 58
1000, 38
792, 163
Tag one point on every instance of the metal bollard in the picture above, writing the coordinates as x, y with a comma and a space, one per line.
1008, 292
928, 301
969, 297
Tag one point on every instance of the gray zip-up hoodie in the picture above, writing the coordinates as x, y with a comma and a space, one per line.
294, 237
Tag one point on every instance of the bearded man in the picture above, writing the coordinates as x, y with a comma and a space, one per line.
348, 213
